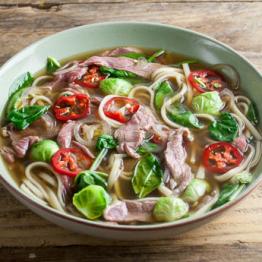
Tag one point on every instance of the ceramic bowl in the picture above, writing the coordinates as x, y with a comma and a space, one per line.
108, 35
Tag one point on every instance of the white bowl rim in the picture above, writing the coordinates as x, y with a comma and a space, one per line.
190, 220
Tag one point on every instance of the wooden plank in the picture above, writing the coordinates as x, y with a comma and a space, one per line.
228, 22
57, 2
216, 253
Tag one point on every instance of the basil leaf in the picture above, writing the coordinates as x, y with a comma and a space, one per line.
147, 176
162, 91
106, 141
52, 65
156, 55
252, 114
19, 86
179, 114
133, 55
88, 177
148, 147
224, 129
228, 193
23, 117
117, 73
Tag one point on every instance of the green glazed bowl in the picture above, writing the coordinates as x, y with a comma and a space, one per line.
107, 35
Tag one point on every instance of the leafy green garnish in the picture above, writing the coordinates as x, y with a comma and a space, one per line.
163, 91
23, 117
228, 193
88, 177
117, 73
252, 114
133, 55
147, 175
103, 144
52, 65
156, 55
20, 85
106, 141
224, 129
178, 113
148, 147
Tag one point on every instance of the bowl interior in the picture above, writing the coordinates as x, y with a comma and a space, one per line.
107, 35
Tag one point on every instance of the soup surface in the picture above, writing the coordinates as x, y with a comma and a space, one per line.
131, 136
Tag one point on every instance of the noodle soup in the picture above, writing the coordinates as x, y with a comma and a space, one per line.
131, 136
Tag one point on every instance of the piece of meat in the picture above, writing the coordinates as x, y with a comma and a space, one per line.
70, 75
67, 189
65, 134
241, 143
131, 135
175, 157
143, 69
116, 212
121, 51
22, 145
130, 211
8, 154
83, 148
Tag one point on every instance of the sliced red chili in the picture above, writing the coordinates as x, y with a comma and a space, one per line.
121, 109
70, 161
221, 157
72, 107
92, 78
206, 80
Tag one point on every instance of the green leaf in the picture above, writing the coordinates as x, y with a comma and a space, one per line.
133, 55
117, 73
224, 129
88, 177
163, 91
148, 147
156, 55
103, 144
106, 141
23, 117
228, 193
178, 113
52, 65
252, 114
147, 175
19, 86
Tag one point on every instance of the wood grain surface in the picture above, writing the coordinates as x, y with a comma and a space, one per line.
236, 236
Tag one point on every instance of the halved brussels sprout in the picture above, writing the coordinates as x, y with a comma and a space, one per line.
91, 201
169, 209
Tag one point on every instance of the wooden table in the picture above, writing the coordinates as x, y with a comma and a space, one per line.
237, 236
